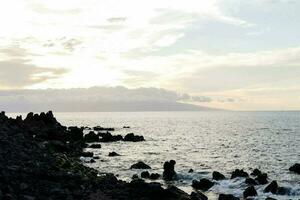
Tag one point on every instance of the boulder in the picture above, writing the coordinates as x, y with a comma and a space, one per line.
295, 168
239, 173
217, 176
262, 179
91, 137
191, 170
272, 187
87, 154
113, 154
154, 176
256, 172
99, 128
204, 184
198, 196
76, 134
169, 172
140, 165
145, 174
133, 138
108, 137
250, 181
249, 192
227, 197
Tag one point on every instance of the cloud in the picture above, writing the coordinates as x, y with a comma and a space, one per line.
16, 70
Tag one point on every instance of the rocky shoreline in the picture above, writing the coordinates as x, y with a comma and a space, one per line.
40, 159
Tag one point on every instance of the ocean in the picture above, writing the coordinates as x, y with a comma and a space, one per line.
202, 141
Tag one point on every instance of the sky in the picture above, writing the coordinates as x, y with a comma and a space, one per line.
234, 54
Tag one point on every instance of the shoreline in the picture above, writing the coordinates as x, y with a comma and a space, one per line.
63, 147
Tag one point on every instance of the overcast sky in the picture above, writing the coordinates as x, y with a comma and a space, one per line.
239, 54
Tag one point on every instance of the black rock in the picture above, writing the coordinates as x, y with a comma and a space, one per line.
198, 196
295, 168
113, 154
95, 146
272, 187
191, 170
203, 184
270, 198
99, 128
154, 176
108, 137
169, 171
133, 138
87, 154
262, 179
227, 197
91, 137
76, 134
256, 172
145, 174
239, 173
126, 126
135, 176
249, 192
217, 176
140, 165
283, 191
250, 181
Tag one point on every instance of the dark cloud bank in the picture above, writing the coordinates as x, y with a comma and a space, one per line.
98, 99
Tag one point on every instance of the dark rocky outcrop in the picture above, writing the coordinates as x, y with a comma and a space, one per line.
249, 192
204, 184
154, 176
91, 137
108, 137
191, 171
256, 172
130, 137
295, 168
100, 128
227, 197
218, 176
239, 173
95, 146
140, 165
169, 170
272, 187
145, 174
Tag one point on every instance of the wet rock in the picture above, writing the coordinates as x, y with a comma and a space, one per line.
91, 137
217, 176
92, 161
256, 172
249, 192
99, 128
95, 146
96, 157
198, 196
140, 165
154, 176
272, 187
169, 171
133, 138
126, 126
270, 198
135, 176
145, 174
239, 173
203, 184
175, 193
295, 168
262, 179
191, 170
113, 154
87, 154
250, 181
227, 197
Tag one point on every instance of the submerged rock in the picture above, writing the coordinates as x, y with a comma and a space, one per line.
140, 165
227, 197
239, 173
217, 176
191, 170
295, 168
169, 171
249, 192
204, 184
